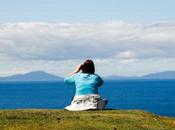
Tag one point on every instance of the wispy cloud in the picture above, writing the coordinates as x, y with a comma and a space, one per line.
126, 43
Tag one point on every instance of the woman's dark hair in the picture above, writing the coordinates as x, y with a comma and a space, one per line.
88, 67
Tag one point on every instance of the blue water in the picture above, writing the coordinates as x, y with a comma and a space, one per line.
153, 96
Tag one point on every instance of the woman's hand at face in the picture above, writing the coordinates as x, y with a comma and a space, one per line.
78, 68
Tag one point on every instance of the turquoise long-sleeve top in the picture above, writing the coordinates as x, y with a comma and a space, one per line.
85, 83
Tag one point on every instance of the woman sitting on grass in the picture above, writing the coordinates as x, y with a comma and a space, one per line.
87, 84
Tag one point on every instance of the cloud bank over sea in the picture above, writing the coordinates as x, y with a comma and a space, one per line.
117, 47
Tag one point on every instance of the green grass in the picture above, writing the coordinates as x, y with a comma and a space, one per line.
85, 120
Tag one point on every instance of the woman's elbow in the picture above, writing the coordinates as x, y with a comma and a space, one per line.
68, 81
100, 84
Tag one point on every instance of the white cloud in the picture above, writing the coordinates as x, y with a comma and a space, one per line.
127, 55
57, 43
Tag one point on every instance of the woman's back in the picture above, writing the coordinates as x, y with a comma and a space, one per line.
85, 83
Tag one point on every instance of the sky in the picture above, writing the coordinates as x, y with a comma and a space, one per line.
86, 10
123, 37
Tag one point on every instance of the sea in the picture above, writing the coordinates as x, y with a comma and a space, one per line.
156, 96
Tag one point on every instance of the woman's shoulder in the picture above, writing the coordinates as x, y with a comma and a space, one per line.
96, 75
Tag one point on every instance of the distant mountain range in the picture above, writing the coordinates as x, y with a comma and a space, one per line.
159, 75
32, 76
43, 76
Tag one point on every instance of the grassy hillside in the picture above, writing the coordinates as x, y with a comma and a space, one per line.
86, 120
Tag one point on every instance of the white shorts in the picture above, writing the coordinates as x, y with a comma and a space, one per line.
87, 102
